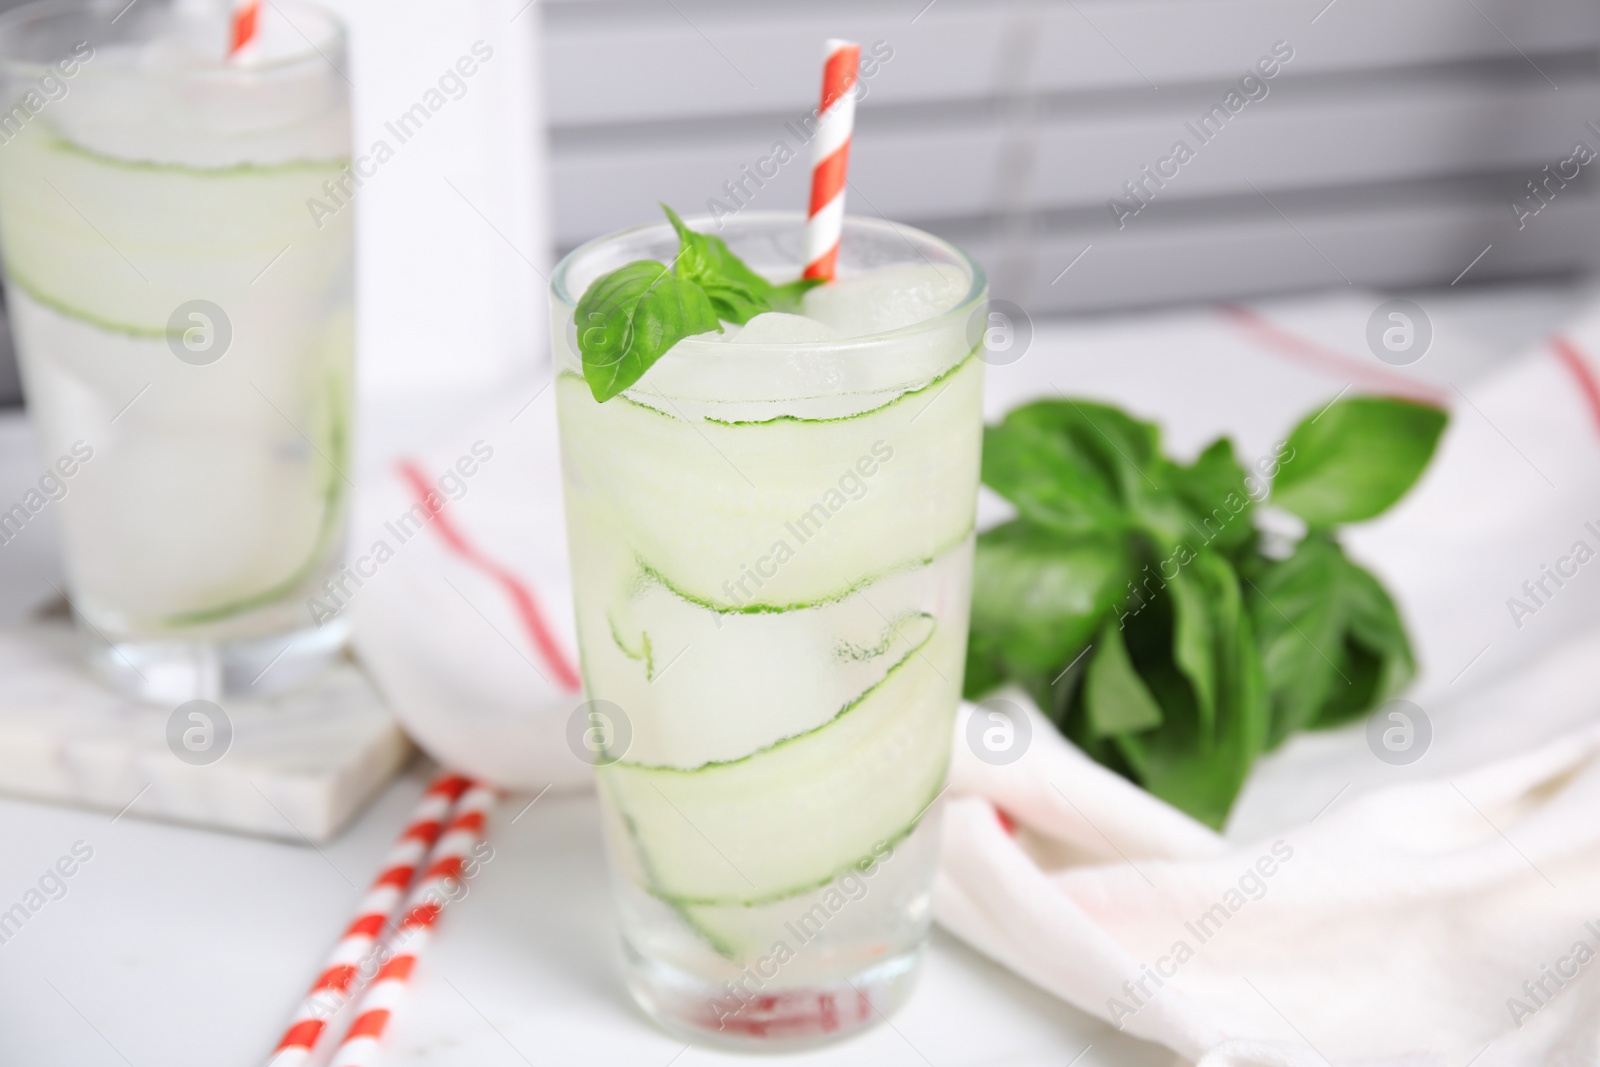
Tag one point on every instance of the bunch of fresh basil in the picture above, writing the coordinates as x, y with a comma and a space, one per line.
1135, 599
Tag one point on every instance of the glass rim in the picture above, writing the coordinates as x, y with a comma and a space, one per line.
962, 308
37, 11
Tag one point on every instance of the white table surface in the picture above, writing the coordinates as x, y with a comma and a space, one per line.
179, 947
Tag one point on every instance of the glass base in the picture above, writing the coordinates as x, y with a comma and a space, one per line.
750, 1018
174, 671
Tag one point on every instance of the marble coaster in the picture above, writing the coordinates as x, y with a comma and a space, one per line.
296, 766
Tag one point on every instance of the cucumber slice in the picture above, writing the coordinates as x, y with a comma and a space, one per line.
120, 244
882, 898
770, 516
699, 687
336, 458
272, 505
793, 816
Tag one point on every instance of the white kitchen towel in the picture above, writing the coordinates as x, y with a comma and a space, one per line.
1440, 921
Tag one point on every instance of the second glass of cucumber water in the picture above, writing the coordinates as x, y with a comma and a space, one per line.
176, 228
771, 538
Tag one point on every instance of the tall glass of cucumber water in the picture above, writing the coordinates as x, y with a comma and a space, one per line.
771, 538
176, 230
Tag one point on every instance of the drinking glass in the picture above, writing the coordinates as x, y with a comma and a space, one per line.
771, 547
176, 229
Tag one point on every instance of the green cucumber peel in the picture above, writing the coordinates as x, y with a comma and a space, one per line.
798, 890
643, 654
942, 378
854, 703
651, 574
331, 165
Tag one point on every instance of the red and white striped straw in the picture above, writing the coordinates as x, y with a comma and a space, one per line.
359, 1048
332, 987
245, 16
830, 156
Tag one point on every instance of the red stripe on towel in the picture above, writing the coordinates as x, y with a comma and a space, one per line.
1330, 361
1571, 357
522, 598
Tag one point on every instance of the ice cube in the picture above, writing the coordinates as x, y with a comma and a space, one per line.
887, 298
778, 328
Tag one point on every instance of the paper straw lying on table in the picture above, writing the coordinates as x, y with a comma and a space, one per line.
434, 889
830, 156
331, 989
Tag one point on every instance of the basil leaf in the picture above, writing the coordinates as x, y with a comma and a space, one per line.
1194, 641
1116, 445
1037, 599
1159, 510
787, 297
1049, 478
1332, 642
1195, 769
986, 668
1241, 683
1381, 663
1356, 458
627, 320
737, 293
1216, 493
1116, 700
733, 302
1375, 623
1205, 776
1078, 465
1296, 606
1354, 693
